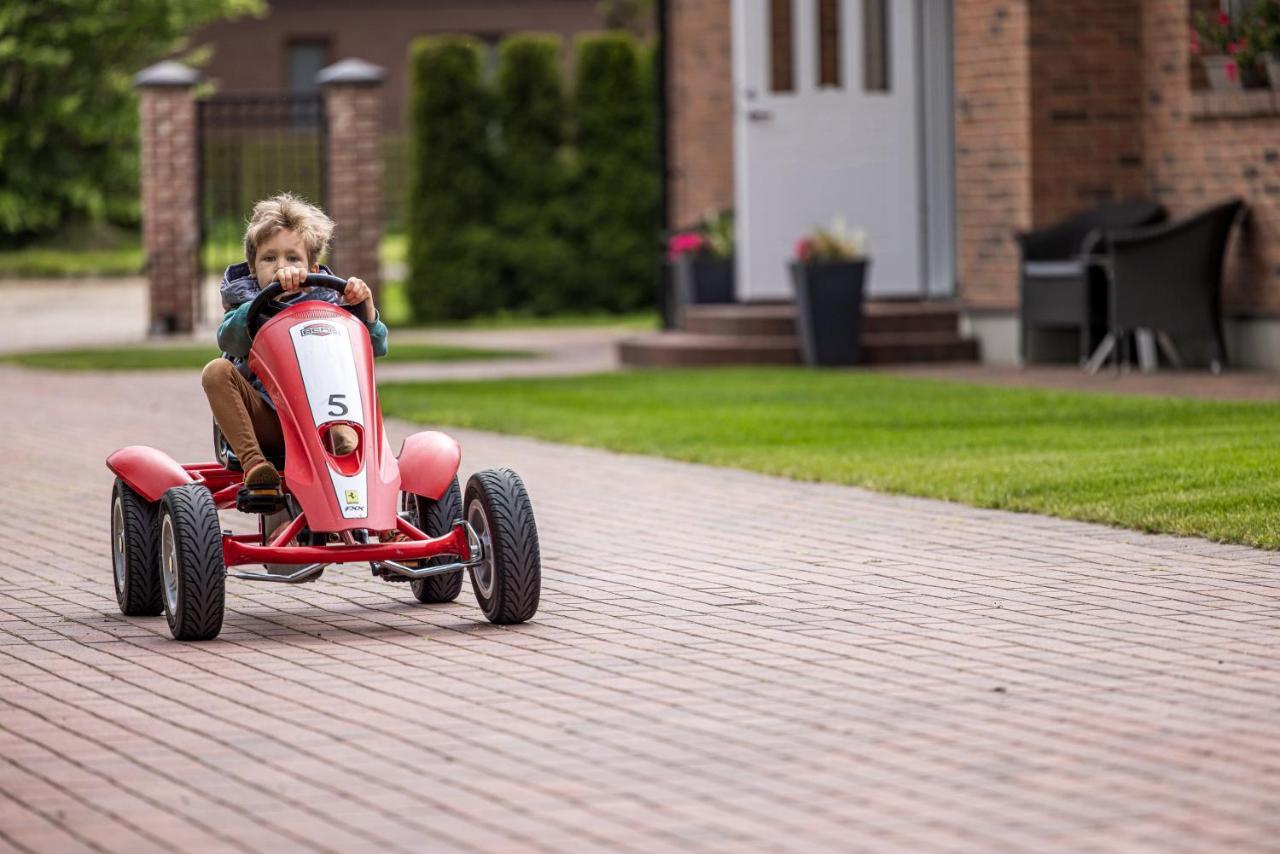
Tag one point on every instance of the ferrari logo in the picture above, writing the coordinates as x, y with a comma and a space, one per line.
352, 496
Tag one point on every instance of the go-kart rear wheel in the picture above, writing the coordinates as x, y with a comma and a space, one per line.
192, 567
435, 519
508, 582
135, 556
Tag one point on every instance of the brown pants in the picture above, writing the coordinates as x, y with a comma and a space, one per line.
243, 416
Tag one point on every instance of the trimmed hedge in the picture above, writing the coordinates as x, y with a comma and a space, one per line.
505, 213
453, 186
617, 177
539, 270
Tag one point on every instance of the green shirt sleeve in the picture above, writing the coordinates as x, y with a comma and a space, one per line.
234, 340
377, 334
233, 332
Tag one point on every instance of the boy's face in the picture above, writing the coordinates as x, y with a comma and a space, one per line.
283, 249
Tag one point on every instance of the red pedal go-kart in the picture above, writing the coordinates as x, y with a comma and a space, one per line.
170, 553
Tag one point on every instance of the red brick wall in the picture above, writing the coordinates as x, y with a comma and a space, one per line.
354, 113
1086, 105
170, 228
993, 145
700, 108
1193, 161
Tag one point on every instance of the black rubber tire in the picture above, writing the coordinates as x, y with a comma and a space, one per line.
199, 568
135, 553
496, 500
436, 518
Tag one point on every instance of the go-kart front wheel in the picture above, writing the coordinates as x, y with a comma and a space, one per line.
192, 566
508, 582
435, 519
134, 553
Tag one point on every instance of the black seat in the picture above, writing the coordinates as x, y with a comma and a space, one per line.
1063, 285
228, 459
1168, 279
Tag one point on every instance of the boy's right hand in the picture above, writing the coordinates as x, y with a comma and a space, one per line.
291, 278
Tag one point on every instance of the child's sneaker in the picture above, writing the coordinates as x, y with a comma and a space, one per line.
261, 492
342, 440
396, 536
262, 476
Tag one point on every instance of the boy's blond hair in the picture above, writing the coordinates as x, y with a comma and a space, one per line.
299, 216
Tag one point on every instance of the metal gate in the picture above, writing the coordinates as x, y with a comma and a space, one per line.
252, 147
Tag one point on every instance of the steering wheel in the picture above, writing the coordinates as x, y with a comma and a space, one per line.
268, 303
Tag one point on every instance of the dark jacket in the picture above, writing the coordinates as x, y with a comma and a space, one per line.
238, 290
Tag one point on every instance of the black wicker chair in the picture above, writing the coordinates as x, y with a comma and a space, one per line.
1168, 279
1062, 285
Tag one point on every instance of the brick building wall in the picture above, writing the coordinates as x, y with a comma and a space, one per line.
1086, 104
1201, 149
700, 108
1059, 105
993, 144
251, 54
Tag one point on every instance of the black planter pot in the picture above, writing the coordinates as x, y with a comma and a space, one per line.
829, 309
712, 280
700, 281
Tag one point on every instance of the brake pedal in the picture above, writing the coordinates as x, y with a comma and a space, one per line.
259, 500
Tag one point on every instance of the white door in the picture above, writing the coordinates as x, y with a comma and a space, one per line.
827, 124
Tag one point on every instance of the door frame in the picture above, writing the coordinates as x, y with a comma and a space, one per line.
936, 97
935, 156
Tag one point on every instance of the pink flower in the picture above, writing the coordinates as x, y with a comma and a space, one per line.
1233, 48
684, 243
804, 246
1232, 70
1195, 42
1224, 19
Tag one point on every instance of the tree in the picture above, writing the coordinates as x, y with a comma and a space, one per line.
453, 253
617, 181
68, 112
533, 215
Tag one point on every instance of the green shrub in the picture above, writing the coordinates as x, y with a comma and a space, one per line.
453, 268
68, 112
533, 215
617, 181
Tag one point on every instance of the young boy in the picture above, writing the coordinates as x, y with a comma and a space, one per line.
284, 239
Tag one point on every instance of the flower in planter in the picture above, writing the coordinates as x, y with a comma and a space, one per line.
1222, 38
685, 243
712, 237
1263, 29
837, 243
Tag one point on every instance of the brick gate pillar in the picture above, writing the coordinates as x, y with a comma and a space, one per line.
170, 222
353, 189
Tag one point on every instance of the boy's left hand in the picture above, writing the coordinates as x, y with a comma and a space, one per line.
358, 292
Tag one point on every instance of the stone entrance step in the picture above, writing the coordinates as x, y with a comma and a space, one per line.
676, 348
894, 331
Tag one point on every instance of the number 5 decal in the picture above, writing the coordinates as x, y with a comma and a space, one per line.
336, 406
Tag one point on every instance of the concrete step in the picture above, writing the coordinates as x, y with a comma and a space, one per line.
743, 319
909, 316
780, 318
902, 347
673, 349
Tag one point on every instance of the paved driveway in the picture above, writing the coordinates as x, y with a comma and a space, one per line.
722, 661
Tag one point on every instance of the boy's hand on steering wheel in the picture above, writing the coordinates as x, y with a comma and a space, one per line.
291, 278
358, 292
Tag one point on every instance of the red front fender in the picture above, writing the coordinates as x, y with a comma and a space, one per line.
147, 471
428, 463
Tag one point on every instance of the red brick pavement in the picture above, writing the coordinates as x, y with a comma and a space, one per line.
722, 661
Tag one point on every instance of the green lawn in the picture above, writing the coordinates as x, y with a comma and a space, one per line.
193, 357
1169, 465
